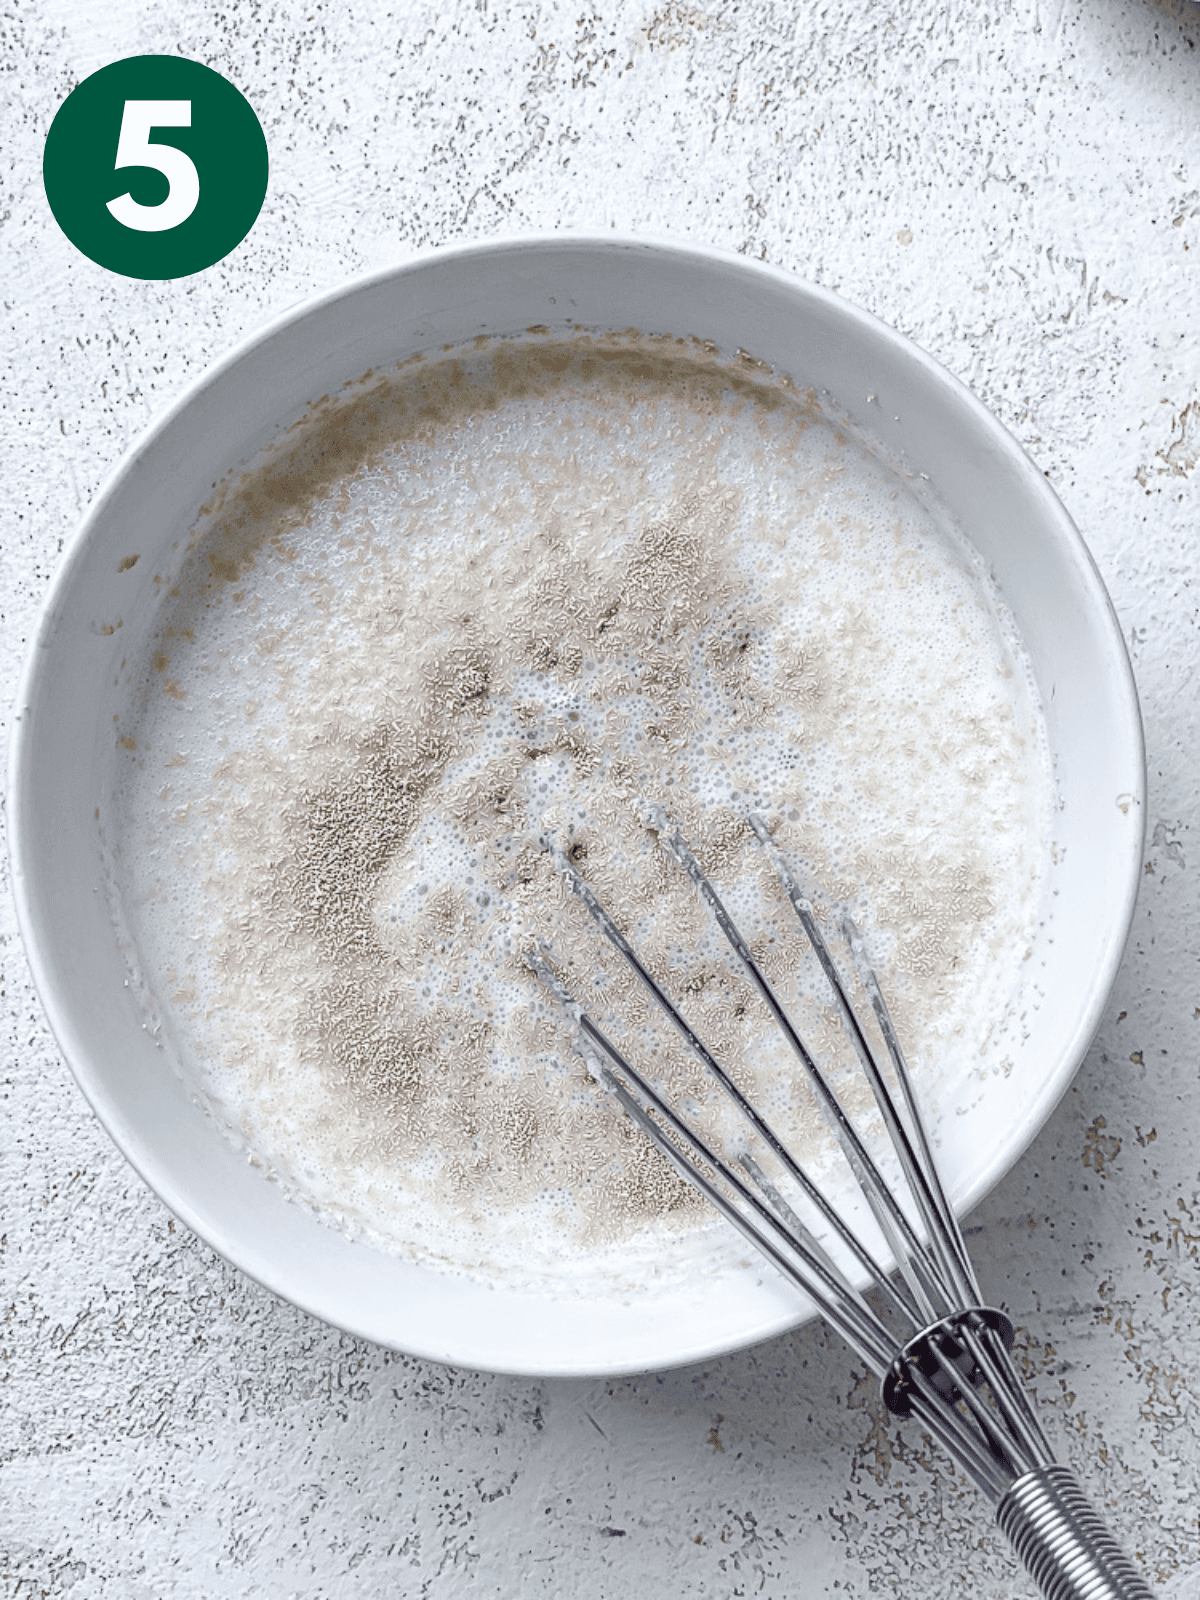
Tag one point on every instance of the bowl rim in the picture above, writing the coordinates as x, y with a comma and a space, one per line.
22, 736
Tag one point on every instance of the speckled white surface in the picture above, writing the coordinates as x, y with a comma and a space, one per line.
1015, 186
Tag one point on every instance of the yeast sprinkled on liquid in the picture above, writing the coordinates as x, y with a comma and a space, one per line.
538, 586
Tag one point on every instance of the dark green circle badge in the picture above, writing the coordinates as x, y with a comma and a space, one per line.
155, 167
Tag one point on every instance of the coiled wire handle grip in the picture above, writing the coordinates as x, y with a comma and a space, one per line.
1066, 1548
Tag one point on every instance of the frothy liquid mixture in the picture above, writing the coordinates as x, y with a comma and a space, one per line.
531, 587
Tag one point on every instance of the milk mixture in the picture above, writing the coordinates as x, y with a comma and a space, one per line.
525, 590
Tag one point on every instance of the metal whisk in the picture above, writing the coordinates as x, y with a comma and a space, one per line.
940, 1352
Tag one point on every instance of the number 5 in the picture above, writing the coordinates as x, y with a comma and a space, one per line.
135, 150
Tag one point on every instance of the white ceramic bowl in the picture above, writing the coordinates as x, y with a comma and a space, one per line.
62, 749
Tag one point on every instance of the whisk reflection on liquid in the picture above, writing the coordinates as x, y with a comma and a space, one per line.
940, 1352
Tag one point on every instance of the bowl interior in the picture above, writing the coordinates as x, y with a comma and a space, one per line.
104, 599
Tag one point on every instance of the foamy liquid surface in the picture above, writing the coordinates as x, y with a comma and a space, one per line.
530, 589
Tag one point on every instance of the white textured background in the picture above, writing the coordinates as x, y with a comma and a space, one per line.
1015, 184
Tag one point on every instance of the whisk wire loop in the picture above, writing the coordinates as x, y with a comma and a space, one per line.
988, 1348
977, 1459
812, 1192
915, 1264
783, 1238
963, 1268
917, 1164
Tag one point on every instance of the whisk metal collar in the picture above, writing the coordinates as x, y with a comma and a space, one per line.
929, 1352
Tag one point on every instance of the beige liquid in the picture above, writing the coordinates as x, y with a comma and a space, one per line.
536, 586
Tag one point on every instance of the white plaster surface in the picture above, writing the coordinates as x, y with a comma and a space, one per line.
1016, 185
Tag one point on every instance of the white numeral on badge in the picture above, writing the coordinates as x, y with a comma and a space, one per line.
135, 150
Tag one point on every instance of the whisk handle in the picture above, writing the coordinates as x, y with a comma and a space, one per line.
1066, 1547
